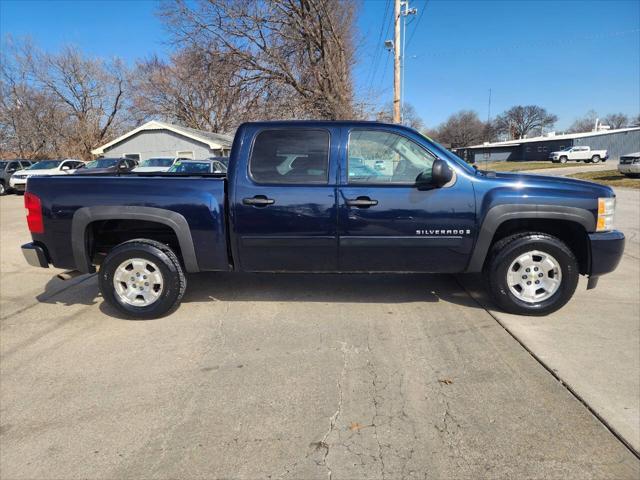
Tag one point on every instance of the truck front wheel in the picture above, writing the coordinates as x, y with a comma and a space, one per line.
142, 279
563, 159
531, 273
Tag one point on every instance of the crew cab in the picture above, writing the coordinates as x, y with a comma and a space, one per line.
312, 196
579, 154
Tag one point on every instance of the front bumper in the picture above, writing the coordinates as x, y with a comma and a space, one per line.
18, 183
606, 251
629, 167
35, 255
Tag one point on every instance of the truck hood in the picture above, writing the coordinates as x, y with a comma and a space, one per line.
96, 171
39, 173
150, 169
524, 180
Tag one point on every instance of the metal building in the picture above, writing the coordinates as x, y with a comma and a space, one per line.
160, 139
616, 142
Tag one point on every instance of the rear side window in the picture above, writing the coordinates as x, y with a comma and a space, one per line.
297, 156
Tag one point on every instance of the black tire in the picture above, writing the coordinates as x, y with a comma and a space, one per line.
563, 159
508, 249
595, 159
174, 280
3, 189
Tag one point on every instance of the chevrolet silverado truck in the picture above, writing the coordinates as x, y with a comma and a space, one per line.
579, 154
310, 196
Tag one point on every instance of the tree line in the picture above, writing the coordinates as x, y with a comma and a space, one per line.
230, 62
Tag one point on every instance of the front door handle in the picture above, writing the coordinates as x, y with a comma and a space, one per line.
258, 201
361, 202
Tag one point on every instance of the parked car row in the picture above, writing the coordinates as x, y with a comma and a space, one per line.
15, 173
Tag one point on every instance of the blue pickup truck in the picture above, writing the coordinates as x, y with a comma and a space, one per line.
312, 196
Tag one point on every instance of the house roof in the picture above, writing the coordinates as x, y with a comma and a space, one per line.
213, 140
546, 138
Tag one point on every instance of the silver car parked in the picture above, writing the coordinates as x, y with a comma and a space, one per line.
629, 164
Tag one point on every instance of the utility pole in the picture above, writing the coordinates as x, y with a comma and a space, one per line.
401, 11
396, 62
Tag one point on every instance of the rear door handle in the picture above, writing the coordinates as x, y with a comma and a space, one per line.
361, 202
258, 201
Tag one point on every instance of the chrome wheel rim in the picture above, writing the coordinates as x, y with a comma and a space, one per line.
138, 282
534, 276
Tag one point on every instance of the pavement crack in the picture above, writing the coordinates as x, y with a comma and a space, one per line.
324, 443
376, 413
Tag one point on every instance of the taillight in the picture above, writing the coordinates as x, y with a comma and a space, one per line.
34, 213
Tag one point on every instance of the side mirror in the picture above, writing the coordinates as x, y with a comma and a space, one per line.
440, 175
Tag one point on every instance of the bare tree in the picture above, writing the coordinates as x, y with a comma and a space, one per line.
91, 92
60, 104
616, 120
520, 120
300, 49
410, 116
30, 120
199, 88
461, 130
585, 123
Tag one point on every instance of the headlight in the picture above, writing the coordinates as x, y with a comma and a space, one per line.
606, 208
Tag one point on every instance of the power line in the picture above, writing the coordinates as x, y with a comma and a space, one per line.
378, 45
386, 60
422, 10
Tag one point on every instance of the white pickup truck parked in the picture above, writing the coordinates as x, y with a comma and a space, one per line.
578, 154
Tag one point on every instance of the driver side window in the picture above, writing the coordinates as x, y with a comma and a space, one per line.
376, 156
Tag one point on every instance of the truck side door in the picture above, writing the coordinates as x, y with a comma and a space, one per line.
385, 222
284, 200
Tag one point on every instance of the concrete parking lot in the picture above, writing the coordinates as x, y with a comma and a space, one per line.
301, 376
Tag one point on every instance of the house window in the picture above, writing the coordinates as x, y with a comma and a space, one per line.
539, 149
185, 154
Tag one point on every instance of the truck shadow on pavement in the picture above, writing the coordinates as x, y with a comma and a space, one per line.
293, 287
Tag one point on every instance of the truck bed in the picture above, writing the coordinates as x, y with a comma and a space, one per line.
199, 199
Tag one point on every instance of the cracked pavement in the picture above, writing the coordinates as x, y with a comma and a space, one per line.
288, 376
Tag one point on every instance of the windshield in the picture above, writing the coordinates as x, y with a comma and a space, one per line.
566, 149
156, 162
191, 167
103, 163
3, 164
448, 154
45, 164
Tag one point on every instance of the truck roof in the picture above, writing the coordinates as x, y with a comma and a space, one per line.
283, 123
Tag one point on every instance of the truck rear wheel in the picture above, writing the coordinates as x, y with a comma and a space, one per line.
142, 279
531, 273
595, 159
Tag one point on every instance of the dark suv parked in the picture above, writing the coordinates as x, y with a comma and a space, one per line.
8, 168
107, 166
